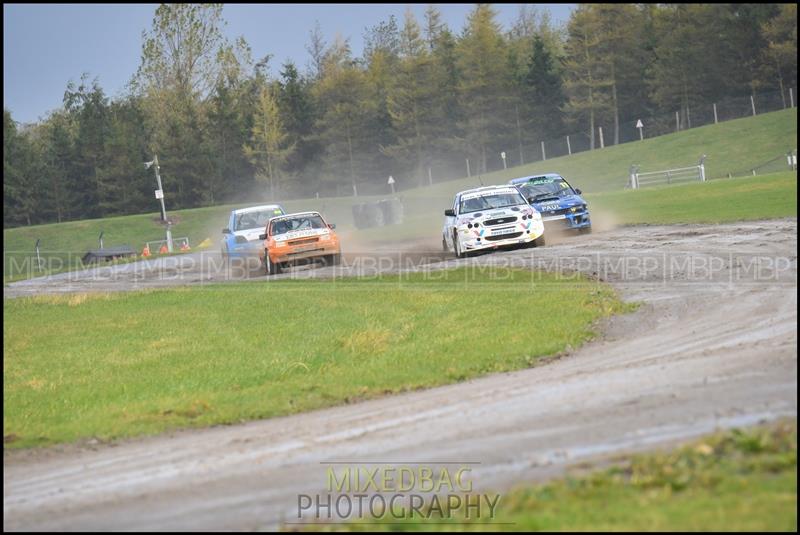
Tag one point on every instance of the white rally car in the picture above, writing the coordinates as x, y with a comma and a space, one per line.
488, 218
245, 225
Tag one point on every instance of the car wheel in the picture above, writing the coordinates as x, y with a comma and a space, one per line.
586, 230
538, 242
269, 267
457, 246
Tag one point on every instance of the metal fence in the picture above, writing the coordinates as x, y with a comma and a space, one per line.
781, 162
668, 176
652, 126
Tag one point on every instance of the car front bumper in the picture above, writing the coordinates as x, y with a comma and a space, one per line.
248, 249
477, 240
288, 254
569, 221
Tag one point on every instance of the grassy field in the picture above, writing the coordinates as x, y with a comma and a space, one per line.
730, 146
716, 201
731, 481
125, 364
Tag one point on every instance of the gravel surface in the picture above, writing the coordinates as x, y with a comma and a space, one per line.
714, 345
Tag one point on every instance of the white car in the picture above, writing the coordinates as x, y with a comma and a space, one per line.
245, 225
488, 218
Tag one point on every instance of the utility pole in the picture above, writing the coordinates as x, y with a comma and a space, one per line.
160, 197
160, 190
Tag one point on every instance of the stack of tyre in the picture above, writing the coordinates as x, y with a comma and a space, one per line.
378, 213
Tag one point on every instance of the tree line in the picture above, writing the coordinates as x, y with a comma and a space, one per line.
421, 94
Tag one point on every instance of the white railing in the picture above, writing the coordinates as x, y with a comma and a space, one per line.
668, 176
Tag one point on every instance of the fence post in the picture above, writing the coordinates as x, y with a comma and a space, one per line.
753, 105
544, 156
469, 175
702, 166
38, 258
430, 177
633, 178
791, 97
169, 237
569, 148
602, 145
677, 122
715, 113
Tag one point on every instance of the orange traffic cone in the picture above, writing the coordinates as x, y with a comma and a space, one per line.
185, 246
146, 251
163, 249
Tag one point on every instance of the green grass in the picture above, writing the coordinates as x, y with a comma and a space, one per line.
134, 363
716, 201
740, 480
730, 146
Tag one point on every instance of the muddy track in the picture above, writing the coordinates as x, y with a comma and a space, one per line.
713, 345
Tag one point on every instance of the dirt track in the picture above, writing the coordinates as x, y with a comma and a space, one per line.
714, 345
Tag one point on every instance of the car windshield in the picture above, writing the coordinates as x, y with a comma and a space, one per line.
546, 187
489, 201
306, 222
255, 219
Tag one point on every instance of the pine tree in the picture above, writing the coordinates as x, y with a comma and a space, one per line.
483, 83
411, 101
585, 83
347, 110
780, 54
268, 148
297, 114
21, 191
544, 91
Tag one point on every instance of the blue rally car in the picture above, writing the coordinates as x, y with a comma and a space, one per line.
561, 205
241, 238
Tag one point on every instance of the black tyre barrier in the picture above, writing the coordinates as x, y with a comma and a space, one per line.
378, 213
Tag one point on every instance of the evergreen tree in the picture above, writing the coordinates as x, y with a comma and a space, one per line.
268, 149
780, 54
544, 91
585, 83
347, 110
297, 113
21, 188
483, 84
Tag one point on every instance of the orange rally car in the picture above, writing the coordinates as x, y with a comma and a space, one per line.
301, 236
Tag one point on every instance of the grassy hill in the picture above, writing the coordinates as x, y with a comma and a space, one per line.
731, 147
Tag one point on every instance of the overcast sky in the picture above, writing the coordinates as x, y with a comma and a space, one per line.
45, 46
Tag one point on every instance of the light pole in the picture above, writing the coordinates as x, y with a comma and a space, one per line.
159, 191
160, 197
